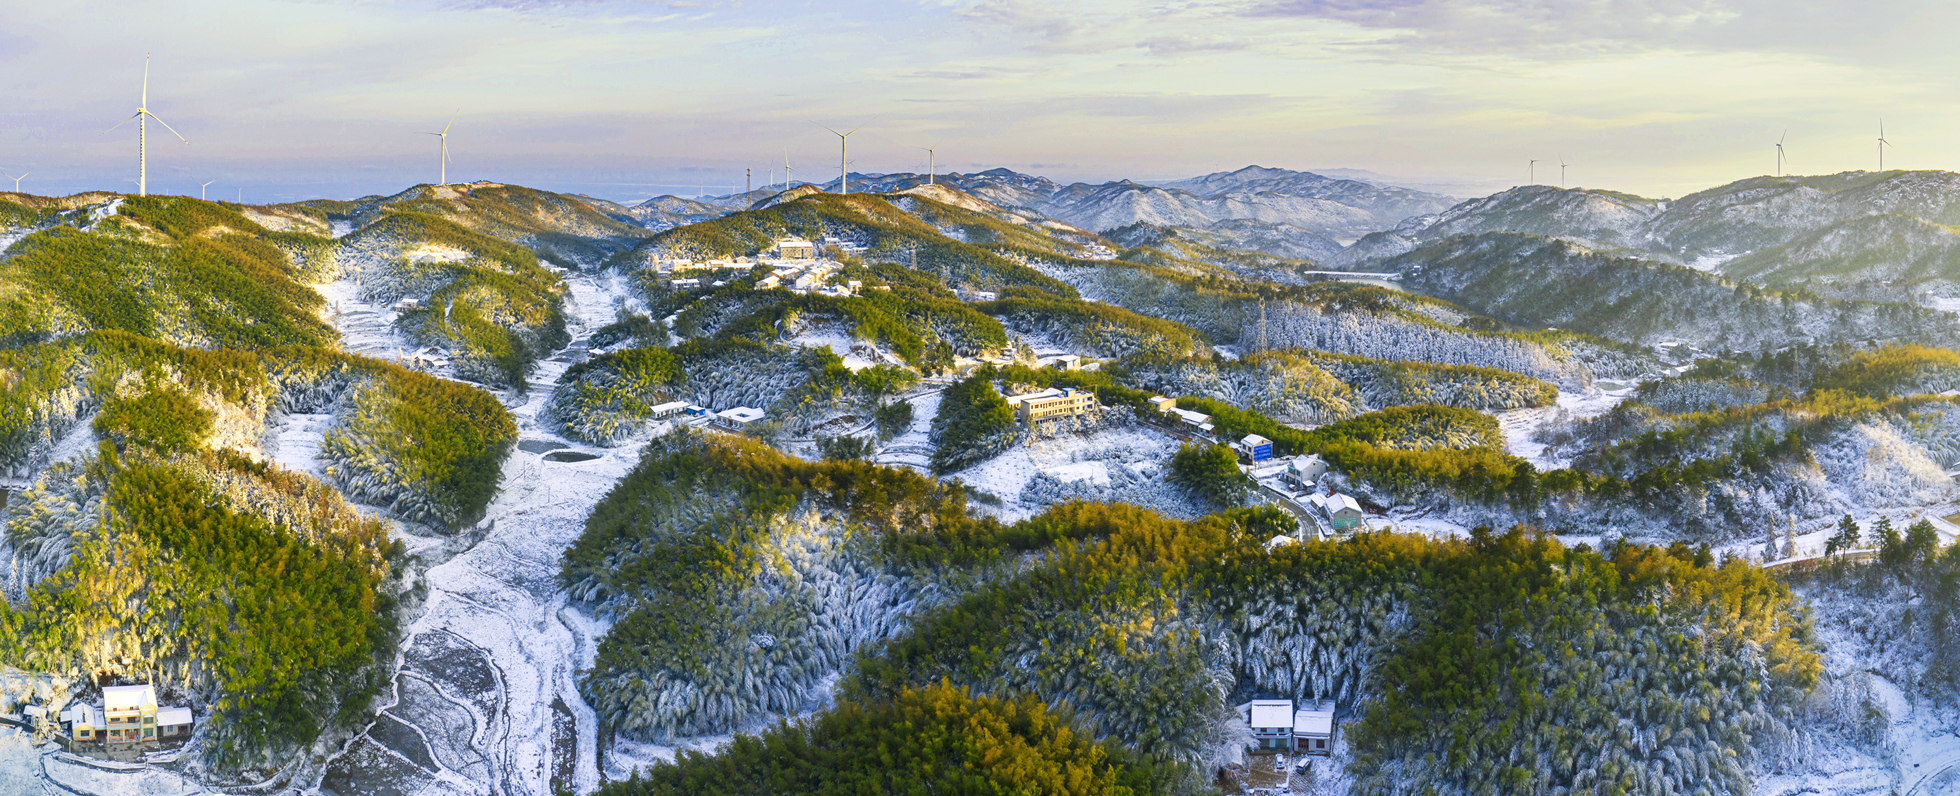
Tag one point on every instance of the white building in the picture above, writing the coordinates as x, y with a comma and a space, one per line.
1304, 472
1313, 727
1196, 420
1281, 725
1254, 447
739, 418
1271, 721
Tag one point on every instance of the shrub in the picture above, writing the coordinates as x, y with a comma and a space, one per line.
844, 448
1211, 472
973, 424
892, 419
163, 420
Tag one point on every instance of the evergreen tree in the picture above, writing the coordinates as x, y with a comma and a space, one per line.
1212, 472
1921, 542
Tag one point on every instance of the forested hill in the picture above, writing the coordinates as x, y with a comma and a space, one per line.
151, 351
1539, 282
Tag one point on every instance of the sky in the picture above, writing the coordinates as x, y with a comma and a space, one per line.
624, 99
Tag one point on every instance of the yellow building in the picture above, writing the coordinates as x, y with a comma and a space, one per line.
1053, 403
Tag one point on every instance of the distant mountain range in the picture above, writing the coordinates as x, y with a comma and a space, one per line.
1291, 214
1855, 234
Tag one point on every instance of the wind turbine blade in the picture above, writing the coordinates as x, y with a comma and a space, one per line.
1782, 138
121, 123
827, 127
434, 134
861, 126
166, 126
145, 101
452, 120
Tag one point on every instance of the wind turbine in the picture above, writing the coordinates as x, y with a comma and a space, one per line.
1561, 171
1882, 144
142, 117
444, 135
1779, 153
786, 170
1533, 171
932, 167
843, 162
201, 188
17, 180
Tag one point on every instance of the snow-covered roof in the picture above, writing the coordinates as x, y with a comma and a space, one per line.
1015, 400
1315, 720
83, 713
741, 414
128, 697
1194, 418
1254, 440
1337, 503
1269, 713
34, 711
173, 716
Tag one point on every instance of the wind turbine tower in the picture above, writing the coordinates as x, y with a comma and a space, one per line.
843, 162
201, 188
1779, 153
444, 137
142, 117
1882, 144
1561, 171
932, 166
786, 170
1532, 171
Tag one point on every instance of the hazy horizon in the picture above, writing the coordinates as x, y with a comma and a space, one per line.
625, 100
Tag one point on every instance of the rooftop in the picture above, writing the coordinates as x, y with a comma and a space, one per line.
128, 697
741, 414
1269, 713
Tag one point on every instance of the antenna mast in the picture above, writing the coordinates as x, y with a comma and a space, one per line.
1262, 325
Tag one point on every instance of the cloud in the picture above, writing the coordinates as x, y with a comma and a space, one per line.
1558, 29
943, 74
1172, 46
1044, 27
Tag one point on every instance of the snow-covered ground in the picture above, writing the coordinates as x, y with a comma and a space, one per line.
1521, 424
485, 699
857, 354
1711, 263
1128, 461
296, 442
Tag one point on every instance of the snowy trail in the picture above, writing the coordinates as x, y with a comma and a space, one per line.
485, 693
